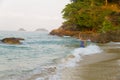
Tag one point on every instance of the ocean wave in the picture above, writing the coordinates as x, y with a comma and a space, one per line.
53, 72
76, 56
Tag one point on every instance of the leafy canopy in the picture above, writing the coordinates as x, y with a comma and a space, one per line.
86, 15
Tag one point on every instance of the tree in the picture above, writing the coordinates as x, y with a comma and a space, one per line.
85, 14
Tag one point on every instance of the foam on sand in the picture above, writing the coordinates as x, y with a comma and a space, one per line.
76, 56
79, 52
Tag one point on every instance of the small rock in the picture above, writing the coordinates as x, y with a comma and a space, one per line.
12, 40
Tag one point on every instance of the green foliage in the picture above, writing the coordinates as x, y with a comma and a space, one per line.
86, 15
106, 26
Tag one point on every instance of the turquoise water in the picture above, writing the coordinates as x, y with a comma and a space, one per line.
39, 49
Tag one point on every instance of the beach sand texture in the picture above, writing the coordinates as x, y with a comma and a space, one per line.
95, 67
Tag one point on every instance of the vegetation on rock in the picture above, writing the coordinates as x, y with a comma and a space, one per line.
92, 15
97, 20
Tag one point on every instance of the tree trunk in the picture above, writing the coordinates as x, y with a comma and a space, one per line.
106, 2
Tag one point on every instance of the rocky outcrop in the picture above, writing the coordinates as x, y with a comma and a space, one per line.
61, 32
93, 36
12, 40
113, 36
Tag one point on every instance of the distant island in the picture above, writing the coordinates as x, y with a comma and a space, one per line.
41, 29
21, 29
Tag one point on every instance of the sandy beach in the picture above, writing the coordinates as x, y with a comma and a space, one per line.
102, 66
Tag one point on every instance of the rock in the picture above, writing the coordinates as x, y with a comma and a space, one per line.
12, 40
100, 38
93, 36
61, 32
113, 36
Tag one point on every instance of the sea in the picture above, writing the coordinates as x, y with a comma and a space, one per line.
41, 56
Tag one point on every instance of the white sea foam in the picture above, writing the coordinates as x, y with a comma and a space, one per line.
71, 60
114, 43
40, 79
91, 49
79, 52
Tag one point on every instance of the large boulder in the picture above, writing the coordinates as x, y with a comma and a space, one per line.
12, 40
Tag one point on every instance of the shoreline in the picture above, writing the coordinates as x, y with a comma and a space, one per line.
103, 66
96, 37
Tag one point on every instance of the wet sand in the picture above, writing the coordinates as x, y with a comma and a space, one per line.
102, 66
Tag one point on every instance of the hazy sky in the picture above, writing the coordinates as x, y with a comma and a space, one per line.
31, 14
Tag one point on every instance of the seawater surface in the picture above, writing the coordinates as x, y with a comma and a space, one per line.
38, 51
42, 56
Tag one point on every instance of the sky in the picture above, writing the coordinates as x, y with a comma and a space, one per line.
31, 14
